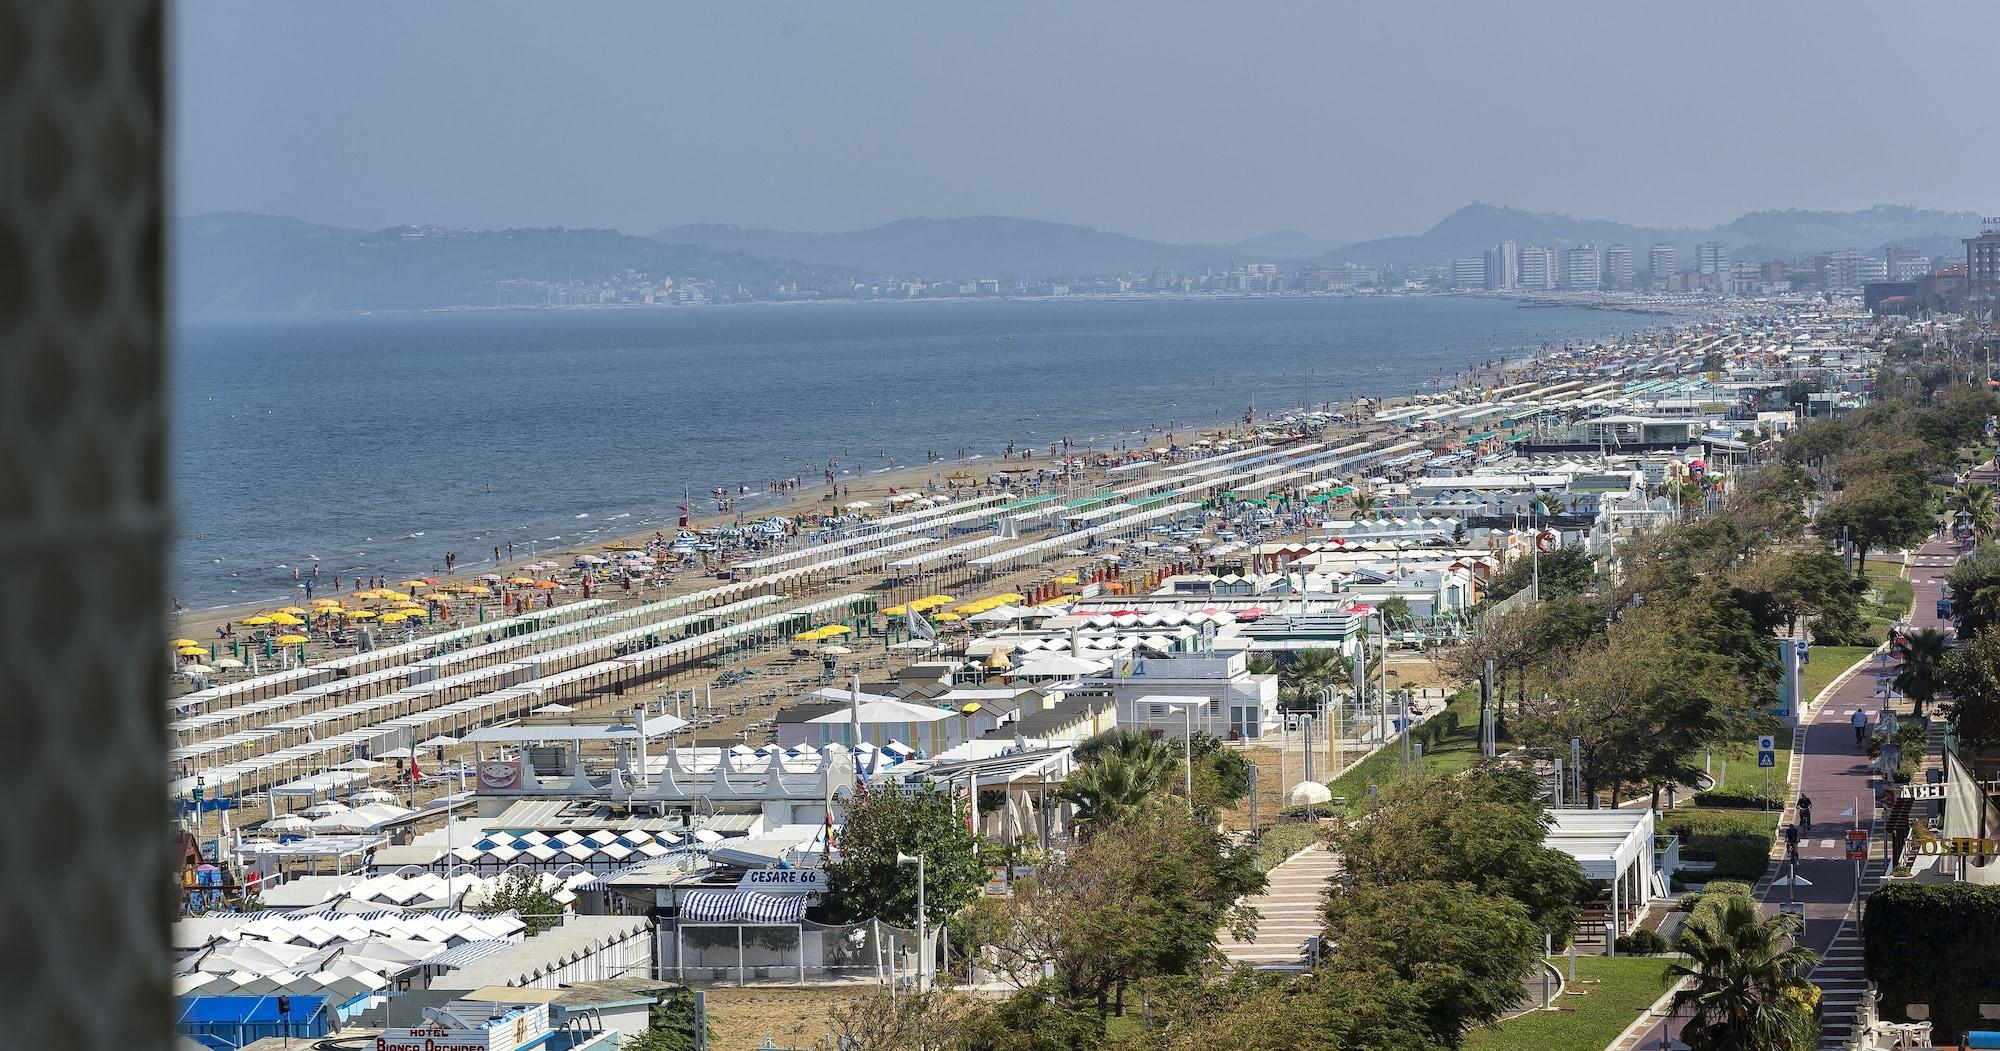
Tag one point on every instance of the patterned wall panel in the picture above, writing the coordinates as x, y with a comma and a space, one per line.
84, 829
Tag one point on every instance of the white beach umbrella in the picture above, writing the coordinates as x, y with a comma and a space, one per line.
440, 741
287, 823
373, 795
325, 809
228, 662
358, 764
554, 709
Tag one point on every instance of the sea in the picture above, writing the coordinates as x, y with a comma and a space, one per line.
373, 444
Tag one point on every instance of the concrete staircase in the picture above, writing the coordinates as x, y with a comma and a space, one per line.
1290, 911
1840, 976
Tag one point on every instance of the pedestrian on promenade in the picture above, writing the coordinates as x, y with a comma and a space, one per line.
1860, 721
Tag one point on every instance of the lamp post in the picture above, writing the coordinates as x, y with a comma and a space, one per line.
923, 945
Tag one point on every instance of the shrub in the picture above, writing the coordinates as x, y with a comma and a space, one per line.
1641, 943
1728, 886
1703, 833
1688, 902
1736, 799
1742, 857
1938, 945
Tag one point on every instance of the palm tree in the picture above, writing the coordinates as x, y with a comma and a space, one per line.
1975, 502
1260, 664
1363, 505
1923, 667
1747, 986
1311, 669
1116, 785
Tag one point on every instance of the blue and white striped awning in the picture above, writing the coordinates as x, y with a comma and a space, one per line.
725, 906
469, 952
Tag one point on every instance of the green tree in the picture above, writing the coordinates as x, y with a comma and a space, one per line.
1564, 571
1747, 989
521, 891
1141, 897
1395, 611
864, 879
1037, 1018
1363, 504
1464, 953
1251, 1010
1877, 510
1972, 673
1975, 504
1483, 829
1922, 672
882, 1019
1975, 598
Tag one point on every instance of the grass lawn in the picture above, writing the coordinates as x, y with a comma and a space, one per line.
1828, 662
1448, 752
1281, 841
1609, 994
1743, 771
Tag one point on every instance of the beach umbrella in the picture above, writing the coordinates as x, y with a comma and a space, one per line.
358, 764
192, 651
293, 611
196, 669
521, 581
440, 741
178, 643
475, 589
257, 621
546, 585
554, 709
285, 618
394, 753
373, 795
414, 582
946, 617
1308, 793
291, 640
358, 614
326, 808
287, 823
228, 662
835, 651
493, 578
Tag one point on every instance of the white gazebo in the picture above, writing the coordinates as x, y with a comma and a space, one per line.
1615, 848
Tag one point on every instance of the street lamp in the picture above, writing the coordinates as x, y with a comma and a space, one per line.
923, 949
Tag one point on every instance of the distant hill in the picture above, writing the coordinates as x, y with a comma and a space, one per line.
1769, 234
988, 246
242, 262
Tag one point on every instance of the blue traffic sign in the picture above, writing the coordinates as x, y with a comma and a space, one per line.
1767, 751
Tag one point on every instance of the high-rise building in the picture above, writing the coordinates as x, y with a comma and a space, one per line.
1503, 265
1618, 266
1982, 272
1660, 263
1848, 270
1711, 257
1539, 268
1907, 263
1582, 269
1468, 272
1164, 279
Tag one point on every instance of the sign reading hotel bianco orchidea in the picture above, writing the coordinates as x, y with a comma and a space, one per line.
521, 1027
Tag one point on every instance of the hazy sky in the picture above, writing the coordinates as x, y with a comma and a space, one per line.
1178, 121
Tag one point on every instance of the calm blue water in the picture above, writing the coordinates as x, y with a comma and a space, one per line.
379, 442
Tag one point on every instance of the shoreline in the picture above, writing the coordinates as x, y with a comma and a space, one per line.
872, 482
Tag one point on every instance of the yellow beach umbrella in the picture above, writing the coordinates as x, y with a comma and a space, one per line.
257, 621
323, 603
359, 614
290, 640
392, 596
369, 594
475, 589
946, 617
192, 651
835, 629
183, 642
412, 583
293, 610
896, 611
286, 619
521, 581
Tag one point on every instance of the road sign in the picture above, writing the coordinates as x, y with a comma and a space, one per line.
1857, 844
1805, 653
1767, 752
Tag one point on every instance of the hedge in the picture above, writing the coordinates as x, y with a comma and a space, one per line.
1641, 942
1935, 944
1737, 799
